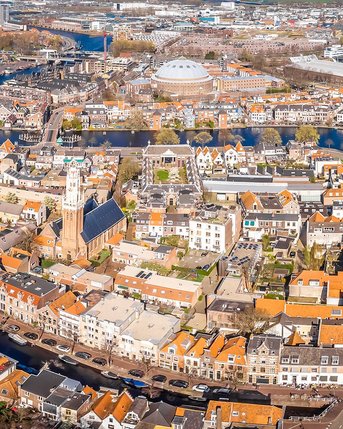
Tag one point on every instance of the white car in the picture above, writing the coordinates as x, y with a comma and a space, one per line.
63, 348
200, 388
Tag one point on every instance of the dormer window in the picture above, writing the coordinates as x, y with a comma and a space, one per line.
324, 360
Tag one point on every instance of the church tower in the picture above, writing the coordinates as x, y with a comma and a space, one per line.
73, 245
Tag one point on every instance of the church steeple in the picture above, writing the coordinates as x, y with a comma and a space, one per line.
73, 198
73, 245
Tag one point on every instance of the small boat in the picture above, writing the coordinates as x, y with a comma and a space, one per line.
67, 359
198, 398
137, 384
109, 374
18, 339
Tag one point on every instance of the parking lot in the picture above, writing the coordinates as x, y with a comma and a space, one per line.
198, 259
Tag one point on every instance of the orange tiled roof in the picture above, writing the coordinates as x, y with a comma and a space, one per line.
10, 261
252, 414
9, 385
122, 406
181, 342
317, 217
233, 347
87, 390
295, 339
76, 309
117, 238
63, 302
249, 199
331, 334
104, 405
7, 146
198, 348
156, 218
43, 240
34, 205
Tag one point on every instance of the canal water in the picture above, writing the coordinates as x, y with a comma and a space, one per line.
85, 41
329, 137
32, 358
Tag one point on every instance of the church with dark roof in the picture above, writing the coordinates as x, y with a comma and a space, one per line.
84, 228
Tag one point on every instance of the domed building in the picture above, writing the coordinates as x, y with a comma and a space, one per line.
182, 77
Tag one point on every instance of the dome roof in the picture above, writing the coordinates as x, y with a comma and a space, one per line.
182, 70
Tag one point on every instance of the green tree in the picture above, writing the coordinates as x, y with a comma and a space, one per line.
251, 321
119, 46
167, 136
106, 144
270, 136
203, 138
76, 124
128, 169
211, 55
307, 134
136, 121
12, 198
265, 242
50, 203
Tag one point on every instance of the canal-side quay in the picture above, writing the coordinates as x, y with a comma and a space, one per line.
36, 355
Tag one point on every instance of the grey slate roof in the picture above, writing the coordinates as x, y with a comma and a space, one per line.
272, 343
42, 383
101, 219
160, 414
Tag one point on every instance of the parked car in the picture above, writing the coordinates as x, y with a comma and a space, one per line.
13, 328
63, 348
83, 355
136, 373
99, 361
179, 383
206, 267
201, 388
49, 342
31, 335
159, 377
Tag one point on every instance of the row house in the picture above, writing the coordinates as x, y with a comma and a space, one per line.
225, 414
255, 225
259, 113
263, 353
152, 287
318, 286
57, 397
332, 195
215, 228
283, 202
304, 113
115, 323
310, 365
214, 358
23, 295
208, 160
160, 225
131, 253
323, 230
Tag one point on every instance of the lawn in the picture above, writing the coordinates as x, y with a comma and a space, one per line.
162, 175
100, 258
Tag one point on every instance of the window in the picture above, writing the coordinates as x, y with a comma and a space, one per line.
235, 413
335, 360
324, 360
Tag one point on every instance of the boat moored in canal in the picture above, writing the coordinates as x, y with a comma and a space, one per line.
17, 339
109, 374
67, 359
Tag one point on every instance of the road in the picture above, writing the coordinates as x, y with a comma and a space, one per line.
52, 128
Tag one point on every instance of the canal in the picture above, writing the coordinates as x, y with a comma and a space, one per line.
32, 358
329, 137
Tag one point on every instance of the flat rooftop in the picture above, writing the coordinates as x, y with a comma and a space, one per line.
156, 327
115, 309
